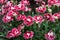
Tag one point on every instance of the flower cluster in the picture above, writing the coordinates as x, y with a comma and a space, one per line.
20, 12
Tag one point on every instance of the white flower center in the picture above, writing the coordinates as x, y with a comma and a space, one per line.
8, 17
28, 20
50, 33
28, 34
38, 17
16, 32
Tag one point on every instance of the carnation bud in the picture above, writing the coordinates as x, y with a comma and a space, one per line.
49, 10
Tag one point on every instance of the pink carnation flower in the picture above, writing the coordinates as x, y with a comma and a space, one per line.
49, 17
13, 33
16, 32
51, 2
20, 27
56, 15
41, 9
9, 35
19, 17
3, 1
28, 21
28, 34
50, 35
7, 19
38, 19
25, 2
12, 13
19, 7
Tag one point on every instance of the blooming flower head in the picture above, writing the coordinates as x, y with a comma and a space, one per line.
9, 3
28, 21
16, 32
9, 35
23, 17
20, 27
7, 19
51, 2
3, 1
13, 33
50, 35
55, 15
12, 13
19, 17
28, 34
49, 17
41, 9
19, 7
38, 19
25, 2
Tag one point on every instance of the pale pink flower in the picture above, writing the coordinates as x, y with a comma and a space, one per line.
50, 36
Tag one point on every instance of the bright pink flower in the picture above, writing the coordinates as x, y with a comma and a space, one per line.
51, 2
25, 2
20, 27
9, 3
12, 13
15, 31
38, 19
28, 34
28, 21
7, 19
56, 15
41, 9
49, 17
43, 3
19, 17
57, 3
50, 35
19, 7
23, 17
27, 9
3, 1
9, 35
